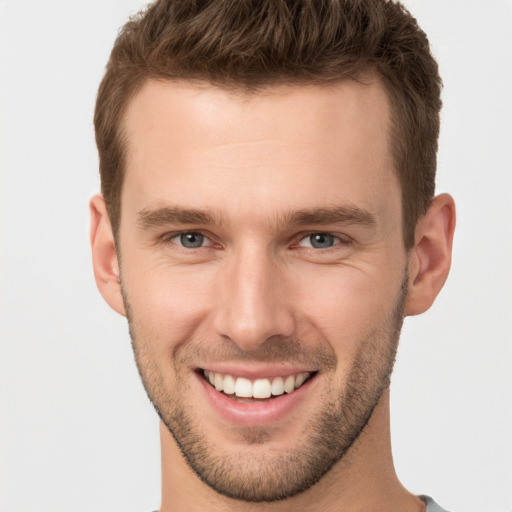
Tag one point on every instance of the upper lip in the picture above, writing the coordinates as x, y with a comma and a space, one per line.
256, 371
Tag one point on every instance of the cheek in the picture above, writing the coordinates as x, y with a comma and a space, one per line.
348, 306
167, 304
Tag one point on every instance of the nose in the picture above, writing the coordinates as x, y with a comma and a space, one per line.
254, 303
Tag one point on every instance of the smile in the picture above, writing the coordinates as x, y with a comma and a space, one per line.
241, 387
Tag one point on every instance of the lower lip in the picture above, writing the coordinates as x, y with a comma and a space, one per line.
255, 413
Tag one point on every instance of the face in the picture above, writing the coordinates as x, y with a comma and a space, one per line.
263, 274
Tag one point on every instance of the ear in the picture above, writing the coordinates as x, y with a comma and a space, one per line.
430, 258
104, 255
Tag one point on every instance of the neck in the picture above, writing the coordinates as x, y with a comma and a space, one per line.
364, 480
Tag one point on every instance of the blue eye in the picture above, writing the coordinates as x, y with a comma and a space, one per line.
190, 240
319, 241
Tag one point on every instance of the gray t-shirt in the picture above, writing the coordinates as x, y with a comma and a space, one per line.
432, 506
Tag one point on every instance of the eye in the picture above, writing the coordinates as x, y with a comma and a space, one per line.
319, 241
190, 240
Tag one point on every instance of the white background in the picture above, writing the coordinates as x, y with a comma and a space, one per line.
76, 429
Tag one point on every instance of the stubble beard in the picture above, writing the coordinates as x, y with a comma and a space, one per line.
336, 426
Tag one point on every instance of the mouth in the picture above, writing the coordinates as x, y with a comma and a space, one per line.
242, 389
251, 397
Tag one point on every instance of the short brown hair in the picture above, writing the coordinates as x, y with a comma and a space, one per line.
249, 44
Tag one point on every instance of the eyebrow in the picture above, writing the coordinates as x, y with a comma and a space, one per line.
336, 215
151, 218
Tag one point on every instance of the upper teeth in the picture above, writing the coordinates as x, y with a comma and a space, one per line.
259, 388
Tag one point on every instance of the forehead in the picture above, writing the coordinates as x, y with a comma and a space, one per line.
216, 115
286, 146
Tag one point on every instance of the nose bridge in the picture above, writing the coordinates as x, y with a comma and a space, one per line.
253, 304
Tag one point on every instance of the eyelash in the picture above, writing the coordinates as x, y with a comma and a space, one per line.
168, 238
338, 240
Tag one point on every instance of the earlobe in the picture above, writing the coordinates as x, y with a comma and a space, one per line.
104, 255
430, 258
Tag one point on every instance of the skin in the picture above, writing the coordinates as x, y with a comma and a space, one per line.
257, 286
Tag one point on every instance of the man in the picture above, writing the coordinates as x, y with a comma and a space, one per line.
267, 219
